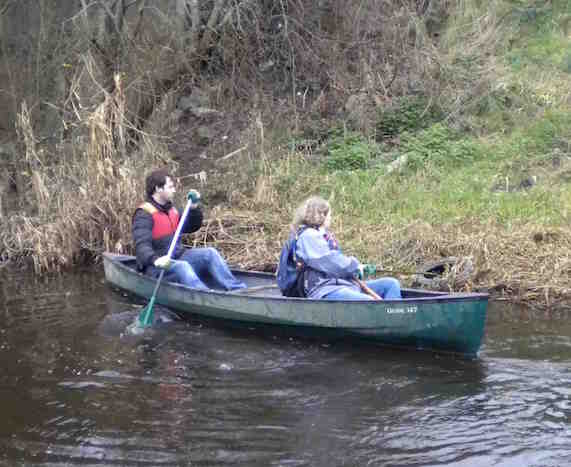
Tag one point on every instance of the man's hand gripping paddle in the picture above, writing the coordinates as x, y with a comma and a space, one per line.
146, 315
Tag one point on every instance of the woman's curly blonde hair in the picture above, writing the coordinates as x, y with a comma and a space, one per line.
313, 211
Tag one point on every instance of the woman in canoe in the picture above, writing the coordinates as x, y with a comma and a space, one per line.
328, 273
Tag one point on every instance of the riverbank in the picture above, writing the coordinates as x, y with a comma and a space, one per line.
457, 144
501, 251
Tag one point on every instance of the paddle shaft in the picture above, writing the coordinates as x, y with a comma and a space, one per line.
409, 273
365, 288
146, 316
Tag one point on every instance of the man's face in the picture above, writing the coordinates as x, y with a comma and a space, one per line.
166, 193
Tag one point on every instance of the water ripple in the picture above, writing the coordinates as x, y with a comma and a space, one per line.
191, 393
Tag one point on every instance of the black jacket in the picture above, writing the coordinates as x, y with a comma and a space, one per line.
148, 250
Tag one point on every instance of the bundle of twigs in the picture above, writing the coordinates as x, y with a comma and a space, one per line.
247, 239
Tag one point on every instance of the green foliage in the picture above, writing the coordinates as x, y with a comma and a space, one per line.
510, 105
536, 141
542, 16
542, 39
454, 179
545, 50
566, 64
438, 146
503, 98
522, 111
349, 151
408, 115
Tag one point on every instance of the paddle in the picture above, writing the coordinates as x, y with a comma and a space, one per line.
146, 314
406, 273
365, 288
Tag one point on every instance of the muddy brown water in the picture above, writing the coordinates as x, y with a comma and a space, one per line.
73, 391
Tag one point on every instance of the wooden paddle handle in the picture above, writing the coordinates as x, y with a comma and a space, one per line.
365, 288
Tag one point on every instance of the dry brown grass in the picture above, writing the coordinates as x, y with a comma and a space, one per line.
84, 203
247, 239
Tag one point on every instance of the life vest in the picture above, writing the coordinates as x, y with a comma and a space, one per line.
163, 224
290, 272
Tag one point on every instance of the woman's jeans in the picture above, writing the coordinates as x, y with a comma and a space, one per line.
387, 287
199, 262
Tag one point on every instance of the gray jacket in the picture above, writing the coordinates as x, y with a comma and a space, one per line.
326, 268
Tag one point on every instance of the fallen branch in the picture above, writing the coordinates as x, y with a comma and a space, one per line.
200, 176
232, 154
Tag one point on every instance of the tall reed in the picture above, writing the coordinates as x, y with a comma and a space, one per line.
84, 201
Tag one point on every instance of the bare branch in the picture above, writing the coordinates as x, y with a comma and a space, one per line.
6, 7
228, 16
108, 10
119, 15
194, 23
211, 25
134, 2
140, 19
180, 15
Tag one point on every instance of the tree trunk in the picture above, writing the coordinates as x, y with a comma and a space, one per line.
110, 39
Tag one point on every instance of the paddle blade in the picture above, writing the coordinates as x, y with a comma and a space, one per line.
146, 315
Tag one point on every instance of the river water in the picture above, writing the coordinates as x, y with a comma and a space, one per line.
74, 391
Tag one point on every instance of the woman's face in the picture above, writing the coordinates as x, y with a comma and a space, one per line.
327, 222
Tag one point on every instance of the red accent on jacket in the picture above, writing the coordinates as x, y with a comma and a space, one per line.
164, 224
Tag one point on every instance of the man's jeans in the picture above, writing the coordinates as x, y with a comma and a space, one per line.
199, 262
387, 287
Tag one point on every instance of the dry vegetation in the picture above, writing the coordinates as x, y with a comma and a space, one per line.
100, 110
80, 206
524, 263
110, 85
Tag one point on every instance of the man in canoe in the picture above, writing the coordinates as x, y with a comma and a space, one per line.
328, 273
154, 224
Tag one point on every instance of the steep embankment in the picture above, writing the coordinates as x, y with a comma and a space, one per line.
479, 173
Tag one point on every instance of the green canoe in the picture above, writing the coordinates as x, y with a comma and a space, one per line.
423, 319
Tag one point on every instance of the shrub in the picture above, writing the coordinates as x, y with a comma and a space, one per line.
409, 115
349, 151
438, 146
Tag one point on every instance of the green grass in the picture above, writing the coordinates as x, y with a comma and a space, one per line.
551, 51
442, 190
540, 52
523, 130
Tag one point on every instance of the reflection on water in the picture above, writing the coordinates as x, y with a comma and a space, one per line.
74, 392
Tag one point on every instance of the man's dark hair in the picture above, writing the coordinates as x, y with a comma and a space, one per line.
156, 179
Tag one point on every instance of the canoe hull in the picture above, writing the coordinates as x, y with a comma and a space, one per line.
428, 320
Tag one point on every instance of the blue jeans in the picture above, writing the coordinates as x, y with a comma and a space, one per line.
200, 262
387, 287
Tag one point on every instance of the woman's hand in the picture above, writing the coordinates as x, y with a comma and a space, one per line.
366, 270
369, 270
